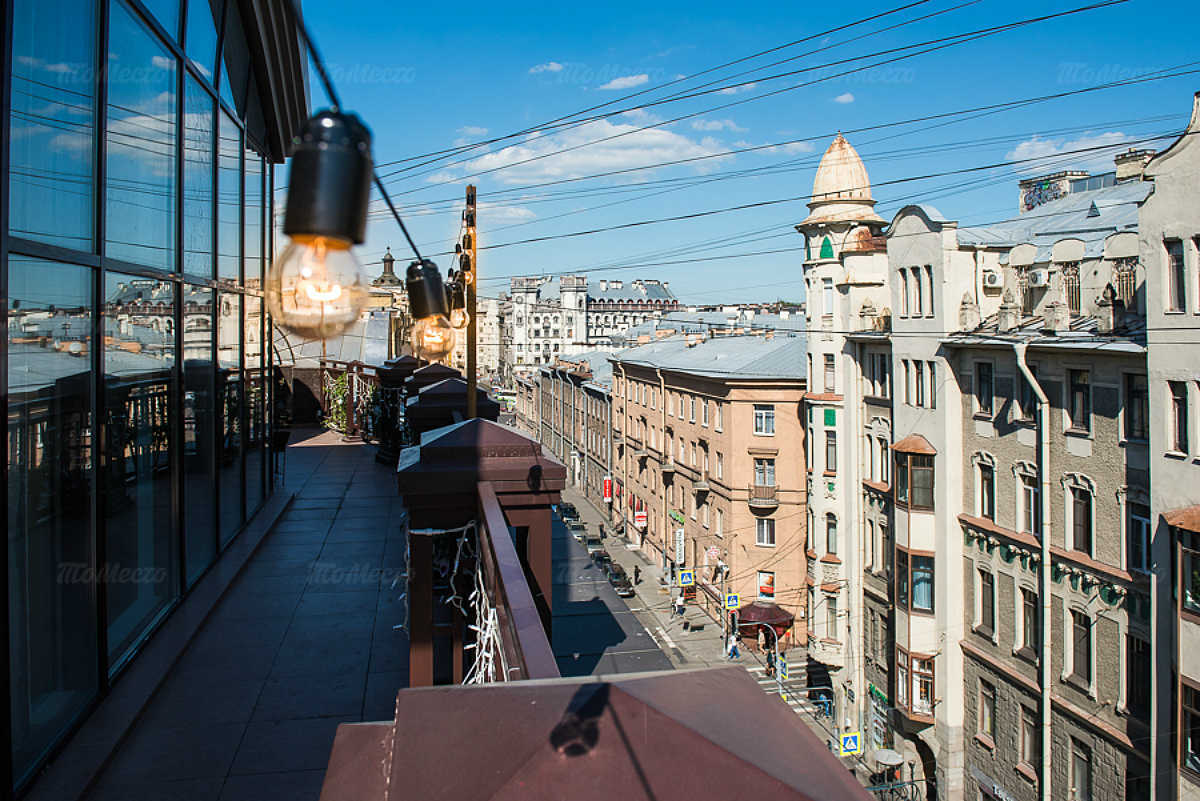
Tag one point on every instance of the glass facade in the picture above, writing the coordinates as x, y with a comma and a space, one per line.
136, 236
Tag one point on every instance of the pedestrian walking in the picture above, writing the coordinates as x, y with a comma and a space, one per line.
637, 574
771, 664
732, 647
679, 604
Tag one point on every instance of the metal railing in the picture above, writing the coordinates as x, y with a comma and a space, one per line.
763, 495
350, 397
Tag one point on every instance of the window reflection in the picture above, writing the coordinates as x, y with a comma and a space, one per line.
53, 115
198, 180
202, 35
229, 395
139, 358
255, 403
199, 431
254, 222
52, 620
141, 145
167, 14
229, 201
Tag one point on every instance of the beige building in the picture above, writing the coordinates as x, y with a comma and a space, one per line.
709, 464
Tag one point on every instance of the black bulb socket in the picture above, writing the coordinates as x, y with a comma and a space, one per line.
426, 291
329, 187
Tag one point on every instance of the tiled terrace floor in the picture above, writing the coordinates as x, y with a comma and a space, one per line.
301, 642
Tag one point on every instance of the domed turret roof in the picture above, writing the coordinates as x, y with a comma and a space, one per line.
841, 190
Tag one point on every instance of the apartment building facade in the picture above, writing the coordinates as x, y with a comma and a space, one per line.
547, 318
986, 512
709, 464
1170, 253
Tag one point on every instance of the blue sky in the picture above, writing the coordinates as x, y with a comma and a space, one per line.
427, 76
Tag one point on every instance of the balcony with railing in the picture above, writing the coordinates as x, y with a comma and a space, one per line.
763, 497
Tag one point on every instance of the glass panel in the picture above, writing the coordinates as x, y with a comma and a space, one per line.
199, 431
198, 181
235, 61
255, 397
229, 202
52, 620
202, 35
53, 115
140, 205
253, 242
229, 393
167, 14
139, 360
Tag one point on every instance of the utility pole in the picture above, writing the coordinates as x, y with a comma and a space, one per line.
469, 265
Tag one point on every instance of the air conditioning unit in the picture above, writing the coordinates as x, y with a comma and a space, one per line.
992, 280
1039, 278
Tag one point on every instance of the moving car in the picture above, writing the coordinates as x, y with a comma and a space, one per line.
619, 579
593, 544
568, 512
578, 531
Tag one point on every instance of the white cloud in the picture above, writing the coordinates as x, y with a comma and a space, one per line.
162, 62
634, 149
733, 90
472, 130
549, 66
791, 148
500, 213
1048, 153
844, 98
626, 82
716, 125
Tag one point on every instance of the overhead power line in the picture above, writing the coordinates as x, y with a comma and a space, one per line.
930, 46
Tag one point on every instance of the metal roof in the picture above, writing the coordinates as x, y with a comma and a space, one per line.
1090, 216
782, 356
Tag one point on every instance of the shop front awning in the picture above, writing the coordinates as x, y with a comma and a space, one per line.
767, 614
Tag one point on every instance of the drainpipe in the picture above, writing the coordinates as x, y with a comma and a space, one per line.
1044, 573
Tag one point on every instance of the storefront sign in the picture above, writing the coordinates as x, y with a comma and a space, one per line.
639, 518
676, 516
990, 788
680, 547
608, 489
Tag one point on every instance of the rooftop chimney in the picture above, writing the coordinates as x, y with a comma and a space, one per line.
1009, 315
1132, 163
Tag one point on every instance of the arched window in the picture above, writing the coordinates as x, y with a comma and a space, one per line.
826, 248
831, 536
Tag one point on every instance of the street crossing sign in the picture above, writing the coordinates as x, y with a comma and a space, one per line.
732, 601
687, 578
851, 743
783, 670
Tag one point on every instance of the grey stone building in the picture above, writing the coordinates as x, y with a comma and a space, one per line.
1170, 253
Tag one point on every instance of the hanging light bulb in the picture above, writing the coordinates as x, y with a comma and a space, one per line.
316, 288
432, 337
456, 299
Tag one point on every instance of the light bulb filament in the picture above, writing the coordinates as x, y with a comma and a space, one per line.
318, 295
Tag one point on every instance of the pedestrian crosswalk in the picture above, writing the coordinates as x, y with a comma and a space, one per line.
794, 693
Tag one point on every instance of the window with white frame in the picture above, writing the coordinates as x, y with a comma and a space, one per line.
884, 460
1137, 536
1080, 651
831, 534
1081, 771
1081, 519
827, 295
764, 472
764, 419
765, 532
1029, 506
692, 408
719, 426
704, 413
985, 621
986, 495
720, 465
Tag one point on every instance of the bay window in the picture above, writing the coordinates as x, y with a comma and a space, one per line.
914, 480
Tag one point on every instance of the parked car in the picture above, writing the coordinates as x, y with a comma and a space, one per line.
568, 512
602, 559
578, 531
619, 579
593, 544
